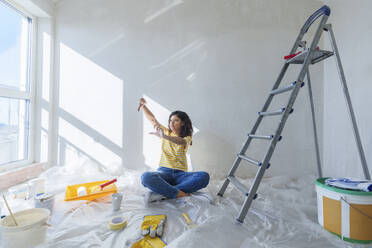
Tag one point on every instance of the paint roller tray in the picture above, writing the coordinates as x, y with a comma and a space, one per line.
72, 194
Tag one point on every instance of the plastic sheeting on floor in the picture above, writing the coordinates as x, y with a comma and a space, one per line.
283, 215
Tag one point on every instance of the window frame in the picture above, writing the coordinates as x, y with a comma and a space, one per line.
25, 95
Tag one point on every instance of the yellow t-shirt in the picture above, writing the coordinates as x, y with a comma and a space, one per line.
172, 155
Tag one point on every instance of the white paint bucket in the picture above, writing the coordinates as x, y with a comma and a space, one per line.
345, 212
31, 229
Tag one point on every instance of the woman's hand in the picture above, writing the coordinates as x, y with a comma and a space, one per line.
159, 132
157, 126
142, 102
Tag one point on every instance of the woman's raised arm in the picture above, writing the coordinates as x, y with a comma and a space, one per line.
149, 115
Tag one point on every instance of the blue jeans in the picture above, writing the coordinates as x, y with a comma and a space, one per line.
168, 182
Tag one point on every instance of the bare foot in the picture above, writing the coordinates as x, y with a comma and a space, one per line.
182, 194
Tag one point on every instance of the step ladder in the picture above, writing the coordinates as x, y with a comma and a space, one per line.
306, 57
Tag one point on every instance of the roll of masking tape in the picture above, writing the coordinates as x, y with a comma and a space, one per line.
118, 223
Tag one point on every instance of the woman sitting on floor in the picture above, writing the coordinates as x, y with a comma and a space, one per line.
172, 180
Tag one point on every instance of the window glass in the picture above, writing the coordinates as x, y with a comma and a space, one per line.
14, 129
15, 95
14, 49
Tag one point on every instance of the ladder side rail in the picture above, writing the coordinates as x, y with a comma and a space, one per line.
322, 11
254, 187
312, 48
293, 96
315, 133
235, 166
348, 102
285, 67
266, 105
252, 192
276, 85
257, 123
269, 153
269, 99
279, 79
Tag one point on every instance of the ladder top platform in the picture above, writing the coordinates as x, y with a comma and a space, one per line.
316, 56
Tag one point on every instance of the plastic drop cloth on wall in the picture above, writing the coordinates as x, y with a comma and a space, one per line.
283, 215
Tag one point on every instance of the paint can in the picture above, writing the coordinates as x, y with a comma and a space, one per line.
30, 232
45, 200
346, 213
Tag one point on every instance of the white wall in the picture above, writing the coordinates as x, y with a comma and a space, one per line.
216, 60
352, 24
44, 102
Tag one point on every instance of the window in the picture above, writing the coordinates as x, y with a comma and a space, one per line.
15, 86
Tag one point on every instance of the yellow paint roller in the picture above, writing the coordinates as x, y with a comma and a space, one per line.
101, 187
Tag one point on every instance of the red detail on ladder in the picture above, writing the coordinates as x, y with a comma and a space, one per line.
292, 55
295, 54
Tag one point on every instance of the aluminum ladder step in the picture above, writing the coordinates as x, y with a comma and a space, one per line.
265, 137
275, 112
316, 56
240, 186
250, 160
285, 89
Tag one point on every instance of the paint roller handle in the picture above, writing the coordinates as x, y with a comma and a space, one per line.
107, 183
325, 10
